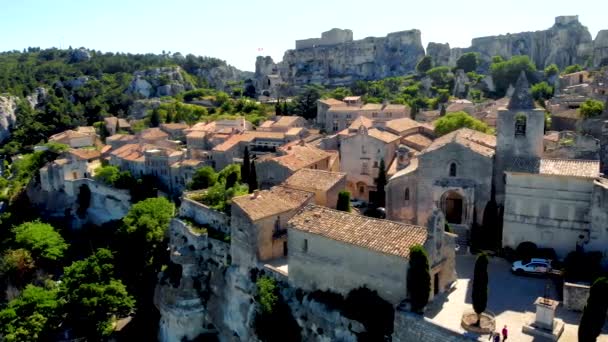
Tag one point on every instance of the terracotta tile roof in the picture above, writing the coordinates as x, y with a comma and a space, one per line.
89, 130
382, 236
552, 136
395, 107
271, 202
360, 121
310, 179
372, 106
68, 135
196, 134
120, 137
153, 134
484, 144
413, 166
135, 152
401, 125
418, 141
382, 135
286, 121
352, 98
295, 131
248, 136
341, 109
332, 102
459, 105
105, 149
267, 124
570, 167
174, 126
84, 153
300, 156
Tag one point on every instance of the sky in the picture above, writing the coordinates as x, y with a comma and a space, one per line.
239, 30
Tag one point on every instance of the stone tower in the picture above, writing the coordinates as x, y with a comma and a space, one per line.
520, 131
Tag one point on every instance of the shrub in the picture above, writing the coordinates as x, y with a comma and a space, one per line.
273, 319
591, 108
424, 65
418, 278
468, 61
203, 178
453, 121
343, 201
572, 68
594, 314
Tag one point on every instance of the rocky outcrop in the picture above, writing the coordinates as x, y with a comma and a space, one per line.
348, 61
600, 49
79, 55
567, 42
38, 97
440, 53
8, 106
157, 82
220, 76
139, 109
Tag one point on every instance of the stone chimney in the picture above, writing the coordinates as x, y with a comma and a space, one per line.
256, 194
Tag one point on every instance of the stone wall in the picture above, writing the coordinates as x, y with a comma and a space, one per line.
204, 215
575, 296
409, 327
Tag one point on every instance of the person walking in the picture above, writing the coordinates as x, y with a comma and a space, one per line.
496, 337
505, 333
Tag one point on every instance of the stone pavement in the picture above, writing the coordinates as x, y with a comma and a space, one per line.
509, 298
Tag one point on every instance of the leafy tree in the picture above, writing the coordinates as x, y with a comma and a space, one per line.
594, 314
441, 76
339, 93
93, 297
542, 91
424, 65
343, 201
155, 118
273, 319
418, 278
505, 73
148, 220
591, 108
253, 179
468, 61
203, 178
17, 264
41, 239
32, 316
246, 166
572, 68
456, 120
380, 183
480, 285
551, 70
306, 103
107, 174
359, 88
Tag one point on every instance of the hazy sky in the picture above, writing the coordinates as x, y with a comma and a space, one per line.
239, 30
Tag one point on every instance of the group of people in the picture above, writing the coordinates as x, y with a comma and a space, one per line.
495, 337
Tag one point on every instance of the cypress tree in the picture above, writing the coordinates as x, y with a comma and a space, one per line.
480, 285
594, 313
246, 166
154, 119
343, 201
253, 179
418, 279
380, 181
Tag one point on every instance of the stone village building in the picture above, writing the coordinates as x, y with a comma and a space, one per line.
550, 202
339, 251
335, 115
326, 185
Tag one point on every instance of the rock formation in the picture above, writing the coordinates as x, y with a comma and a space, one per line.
218, 77
8, 105
600, 49
39, 96
157, 82
567, 42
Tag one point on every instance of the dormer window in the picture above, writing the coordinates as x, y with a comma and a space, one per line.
520, 125
453, 170
407, 194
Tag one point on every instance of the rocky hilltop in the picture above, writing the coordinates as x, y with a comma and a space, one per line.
8, 105
336, 59
567, 42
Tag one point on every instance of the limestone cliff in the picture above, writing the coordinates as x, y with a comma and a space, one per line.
220, 76
336, 60
158, 82
8, 105
567, 42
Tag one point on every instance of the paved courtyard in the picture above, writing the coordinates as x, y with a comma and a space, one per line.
510, 298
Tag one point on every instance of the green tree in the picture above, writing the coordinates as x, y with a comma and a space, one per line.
94, 298
343, 201
17, 265
107, 174
148, 220
480, 285
505, 73
591, 108
41, 239
380, 183
551, 70
441, 76
468, 61
424, 65
572, 68
542, 91
246, 166
253, 179
32, 316
418, 279
594, 314
339, 93
203, 178
155, 118
456, 120
306, 103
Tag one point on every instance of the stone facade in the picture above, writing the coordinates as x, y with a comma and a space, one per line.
410, 327
204, 215
575, 296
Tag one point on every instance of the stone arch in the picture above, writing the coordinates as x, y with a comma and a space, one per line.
453, 205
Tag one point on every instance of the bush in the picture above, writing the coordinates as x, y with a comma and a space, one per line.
572, 68
505, 73
424, 65
542, 91
203, 178
551, 70
468, 61
273, 319
454, 121
591, 108
525, 250
418, 278
343, 201
594, 314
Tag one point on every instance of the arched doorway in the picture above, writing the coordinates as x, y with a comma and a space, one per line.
453, 206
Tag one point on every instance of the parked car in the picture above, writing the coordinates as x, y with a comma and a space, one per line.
357, 203
534, 266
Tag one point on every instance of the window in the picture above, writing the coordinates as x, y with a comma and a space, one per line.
376, 164
520, 125
364, 168
363, 149
305, 245
453, 170
389, 115
361, 190
407, 194
348, 116
374, 115
335, 127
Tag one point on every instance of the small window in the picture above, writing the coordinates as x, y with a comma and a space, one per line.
364, 168
453, 170
361, 190
376, 164
335, 127
305, 245
374, 115
407, 194
348, 116
520, 125
363, 149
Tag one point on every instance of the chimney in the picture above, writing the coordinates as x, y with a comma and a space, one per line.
256, 194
